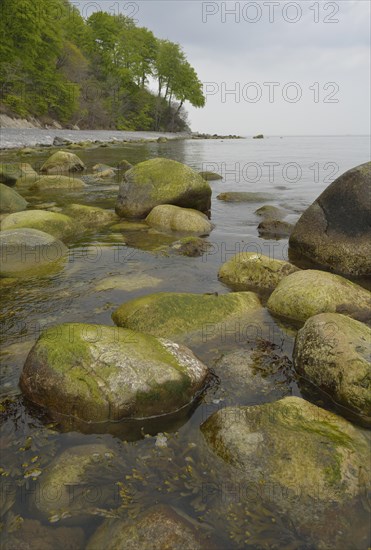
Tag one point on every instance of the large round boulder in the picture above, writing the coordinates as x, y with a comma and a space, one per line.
175, 218
62, 161
10, 200
306, 463
60, 226
333, 352
99, 373
335, 231
159, 528
306, 293
161, 181
58, 182
30, 252
174, 314
249, 270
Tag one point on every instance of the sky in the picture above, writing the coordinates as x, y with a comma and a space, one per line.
272, 67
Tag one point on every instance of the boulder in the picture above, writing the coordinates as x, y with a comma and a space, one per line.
333, 352
270, 212
60, 142
306, 463
100, 373
175, 218
335, 231
243, 196
90, 216
28, 175
29, 252
62, 161
177, 314
189, 246
10, 200
9, 173
58, 182
306, 293
275, 229
248, 270
210, 176
159, 528
161, 181
60, 226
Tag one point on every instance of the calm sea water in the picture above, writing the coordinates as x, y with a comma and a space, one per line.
292, 172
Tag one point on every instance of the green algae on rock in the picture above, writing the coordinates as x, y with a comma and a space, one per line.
175, 218
333, 352
90, 216
306, 293
60, 226
62, 161
161, 181
30, 252
334, 232
45, 183
160, 527
127, 282
249, 270
10, 200
98, 373
210, 176
174, 314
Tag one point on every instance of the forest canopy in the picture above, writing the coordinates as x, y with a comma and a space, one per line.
92, 72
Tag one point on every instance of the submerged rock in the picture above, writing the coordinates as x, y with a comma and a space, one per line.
174, 218
60, 226
210, 176
9, 173
10, 200
306, 293
174, 314
99, 373
333, 352
335, 230
250, 270
62, 161
311, 462
189, 246
124, 166
270, 212
29, 252
275, 229
32, 535
90, 216
243, 196
127, 282
161, 181
159, 528
58, 182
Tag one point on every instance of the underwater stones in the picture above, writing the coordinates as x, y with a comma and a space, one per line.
60, 226
335, 232
333, 352
99, 373
270, 212
30, 252
90, 216
275, 229
242, 196
10, 200
306, 293
251, 270
62, 161
175, 218
127, 282
161, 181
58, 182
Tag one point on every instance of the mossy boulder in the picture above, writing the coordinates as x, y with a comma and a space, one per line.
310, 461
243, 196
275, 229
62, 161
10, 200
159, 528
335, 231
333, 352
58, 182
306, 293
30, 252
210, 176
161, 181
90, 216
174, 314
249, 270
60, 226
175, 218
72, 469
99, 373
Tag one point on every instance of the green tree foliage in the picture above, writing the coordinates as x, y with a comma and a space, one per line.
95, 73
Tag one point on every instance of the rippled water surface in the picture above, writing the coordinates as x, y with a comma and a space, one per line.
292, 172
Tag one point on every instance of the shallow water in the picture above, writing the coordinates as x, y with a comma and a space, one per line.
292, 171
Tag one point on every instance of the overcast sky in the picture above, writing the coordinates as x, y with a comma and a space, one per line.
291, 68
